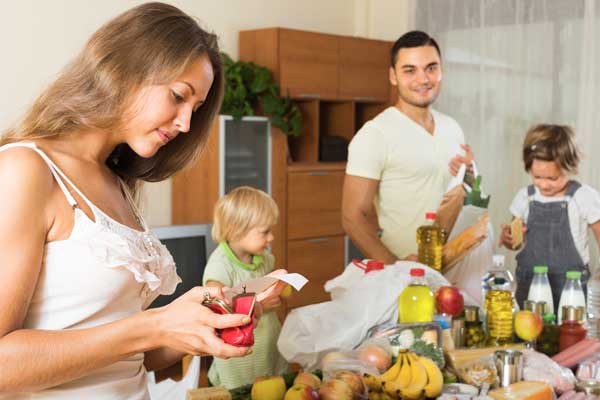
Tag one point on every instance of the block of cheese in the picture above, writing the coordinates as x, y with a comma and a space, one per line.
209, 393
525, 390
457, 358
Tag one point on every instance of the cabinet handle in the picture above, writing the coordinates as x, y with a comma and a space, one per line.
310, 95
317, 240
318, 173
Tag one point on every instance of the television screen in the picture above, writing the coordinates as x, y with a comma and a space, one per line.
190, 246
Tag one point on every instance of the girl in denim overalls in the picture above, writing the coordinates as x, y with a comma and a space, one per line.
557, 212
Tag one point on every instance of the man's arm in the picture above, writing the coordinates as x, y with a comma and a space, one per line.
359, 218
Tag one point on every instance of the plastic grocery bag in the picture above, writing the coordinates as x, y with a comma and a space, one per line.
467, 273
359, 301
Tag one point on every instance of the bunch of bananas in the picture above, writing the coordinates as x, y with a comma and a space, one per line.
411, 377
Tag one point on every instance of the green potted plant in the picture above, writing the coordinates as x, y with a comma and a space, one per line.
249, 87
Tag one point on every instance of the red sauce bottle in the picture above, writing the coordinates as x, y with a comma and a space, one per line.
571, 330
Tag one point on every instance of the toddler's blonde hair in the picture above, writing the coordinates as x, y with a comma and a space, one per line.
547, 142
240, 210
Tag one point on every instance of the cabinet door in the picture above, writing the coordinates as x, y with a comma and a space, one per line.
364, 66
319, 259
308, 64
314, 203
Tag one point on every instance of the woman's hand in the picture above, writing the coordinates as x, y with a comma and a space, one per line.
186, 325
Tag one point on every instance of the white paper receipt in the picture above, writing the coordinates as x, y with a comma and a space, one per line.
258, 285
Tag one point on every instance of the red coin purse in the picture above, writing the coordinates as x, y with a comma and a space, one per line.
243, 303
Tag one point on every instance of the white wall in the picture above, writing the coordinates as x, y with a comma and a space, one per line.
38, 37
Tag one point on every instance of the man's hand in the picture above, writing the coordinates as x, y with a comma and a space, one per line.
411, 257
457, 161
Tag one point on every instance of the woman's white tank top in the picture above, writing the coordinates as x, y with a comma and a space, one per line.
104, 271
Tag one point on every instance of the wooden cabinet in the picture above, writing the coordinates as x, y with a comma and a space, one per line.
308, 64
311, 65
363, 69
319, 259
314, 199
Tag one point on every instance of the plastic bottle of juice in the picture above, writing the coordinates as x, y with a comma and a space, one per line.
499, 313
416, 302
430, 240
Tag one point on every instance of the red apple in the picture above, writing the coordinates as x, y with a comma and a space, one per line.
308, 379
301, 391
528, 325
449, 300
336, 389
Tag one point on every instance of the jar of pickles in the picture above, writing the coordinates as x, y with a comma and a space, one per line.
474, 336
547, 342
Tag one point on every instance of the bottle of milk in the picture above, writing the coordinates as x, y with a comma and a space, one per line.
572, 293
540, 289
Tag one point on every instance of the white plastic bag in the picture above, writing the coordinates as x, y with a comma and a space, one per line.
359, 302
468, 272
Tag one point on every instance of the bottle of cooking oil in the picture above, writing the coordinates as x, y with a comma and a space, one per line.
499, 313
430, 240
416, 303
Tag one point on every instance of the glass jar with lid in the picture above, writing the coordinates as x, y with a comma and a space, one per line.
571, 330
474, 336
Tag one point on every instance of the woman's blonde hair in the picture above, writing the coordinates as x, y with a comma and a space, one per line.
548, 142
147, 45
240, 210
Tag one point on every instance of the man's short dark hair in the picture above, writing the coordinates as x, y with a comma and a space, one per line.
412, 39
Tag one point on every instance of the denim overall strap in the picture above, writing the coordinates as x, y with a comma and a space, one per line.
549, 241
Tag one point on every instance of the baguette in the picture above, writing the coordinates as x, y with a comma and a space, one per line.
209, 393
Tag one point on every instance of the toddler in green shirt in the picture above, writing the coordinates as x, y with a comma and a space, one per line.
242, 225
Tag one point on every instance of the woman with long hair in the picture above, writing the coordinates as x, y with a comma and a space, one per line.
78, 265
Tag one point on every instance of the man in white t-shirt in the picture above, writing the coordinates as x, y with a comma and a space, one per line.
400, 162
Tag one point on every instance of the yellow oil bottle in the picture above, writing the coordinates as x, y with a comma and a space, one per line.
416, 302
499, 313
430, 240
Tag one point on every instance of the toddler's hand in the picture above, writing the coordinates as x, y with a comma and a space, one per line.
273, 291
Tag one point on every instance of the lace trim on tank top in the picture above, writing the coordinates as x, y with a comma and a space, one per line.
117, 245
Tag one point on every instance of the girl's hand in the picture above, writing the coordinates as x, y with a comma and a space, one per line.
273, 291
271, 304
188, 326
506, 238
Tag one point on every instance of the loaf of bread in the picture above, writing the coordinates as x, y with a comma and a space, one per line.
525, 390
210, 393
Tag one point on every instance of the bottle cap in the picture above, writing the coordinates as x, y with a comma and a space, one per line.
417, 272
529, 305
499, 280
572, 313
373, 265
548, 317
573, 274
540, 269
430, 215
498, 260
471, 313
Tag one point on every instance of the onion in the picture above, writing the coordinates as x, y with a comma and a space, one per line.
375, 356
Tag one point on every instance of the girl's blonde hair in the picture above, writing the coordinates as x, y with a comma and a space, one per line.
547, 142
149, 44
240, 210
